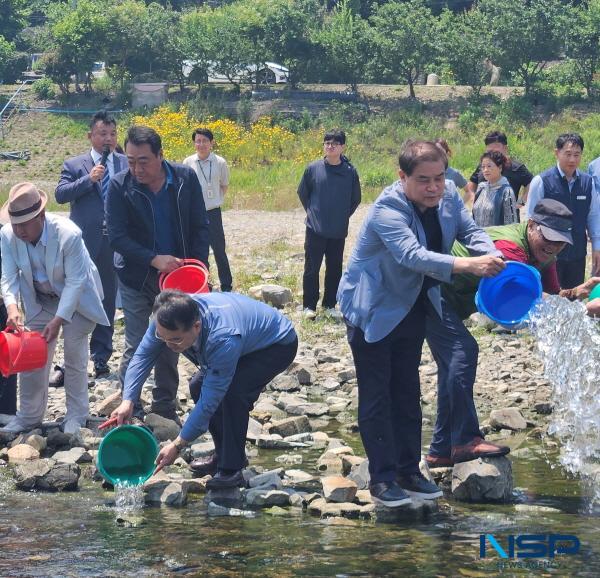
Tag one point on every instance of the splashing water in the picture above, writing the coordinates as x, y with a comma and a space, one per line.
568, 342
129, 498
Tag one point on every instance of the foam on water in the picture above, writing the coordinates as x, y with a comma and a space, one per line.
568, 342
129, 498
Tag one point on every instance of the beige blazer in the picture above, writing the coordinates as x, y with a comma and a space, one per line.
71, 272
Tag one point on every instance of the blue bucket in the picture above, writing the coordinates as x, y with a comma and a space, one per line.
508, 297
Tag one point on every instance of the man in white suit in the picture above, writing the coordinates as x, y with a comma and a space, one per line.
46, 267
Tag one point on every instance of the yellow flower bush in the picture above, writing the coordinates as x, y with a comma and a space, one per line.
263, 143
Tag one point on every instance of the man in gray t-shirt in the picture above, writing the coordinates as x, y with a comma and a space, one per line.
213, 174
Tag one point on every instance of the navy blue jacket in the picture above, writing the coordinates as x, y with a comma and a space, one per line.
329, 195
87, 205
130, 221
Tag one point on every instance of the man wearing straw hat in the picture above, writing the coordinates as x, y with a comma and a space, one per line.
46, 266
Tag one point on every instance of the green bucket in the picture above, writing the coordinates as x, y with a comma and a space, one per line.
126, 455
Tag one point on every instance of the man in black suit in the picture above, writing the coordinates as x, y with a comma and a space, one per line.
83, 183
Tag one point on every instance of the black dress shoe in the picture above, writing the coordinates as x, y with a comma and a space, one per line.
224, 480
101, 369
415, 485
57, 377
206, 466
389, 494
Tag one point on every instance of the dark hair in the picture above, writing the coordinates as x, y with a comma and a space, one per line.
336, 135
495, 136
175, 311
569, 138
141, 135
204, 132
496, 157
104, 117
443, 143
414, 152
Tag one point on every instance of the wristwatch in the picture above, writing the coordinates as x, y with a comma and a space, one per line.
179, 443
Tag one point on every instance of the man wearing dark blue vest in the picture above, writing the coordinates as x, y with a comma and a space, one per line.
575, 189
83, 183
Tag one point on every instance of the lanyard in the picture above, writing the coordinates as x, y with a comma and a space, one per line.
208, 181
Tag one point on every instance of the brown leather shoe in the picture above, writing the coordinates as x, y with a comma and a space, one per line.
438, 461
206, 466
477, 448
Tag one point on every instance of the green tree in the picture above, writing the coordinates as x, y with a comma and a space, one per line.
406, 39
582, 43
194, 30
466, 46
79, 35
13, 17
525, 35
345, 39
7, 50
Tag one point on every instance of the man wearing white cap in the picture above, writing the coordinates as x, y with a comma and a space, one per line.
46, 266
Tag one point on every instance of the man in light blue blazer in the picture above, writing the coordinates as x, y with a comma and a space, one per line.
83, 183
391, 300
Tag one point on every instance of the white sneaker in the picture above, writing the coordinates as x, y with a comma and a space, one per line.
309, 313
15, 426
333, 313
71, 426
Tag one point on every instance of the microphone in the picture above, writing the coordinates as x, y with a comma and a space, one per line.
105, 153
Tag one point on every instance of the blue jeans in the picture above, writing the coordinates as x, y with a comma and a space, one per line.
455, 352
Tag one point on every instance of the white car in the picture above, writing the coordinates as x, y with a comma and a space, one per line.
269, 73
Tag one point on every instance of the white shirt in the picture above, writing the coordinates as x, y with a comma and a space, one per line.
213, 174
110, 161
37, 258
536, 194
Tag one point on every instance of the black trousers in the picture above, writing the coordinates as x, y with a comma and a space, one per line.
315, 248
101, 347
217, 242
8, 385
570, 273
229, 424
389, 396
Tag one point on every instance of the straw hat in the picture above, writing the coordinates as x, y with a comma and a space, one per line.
25, 201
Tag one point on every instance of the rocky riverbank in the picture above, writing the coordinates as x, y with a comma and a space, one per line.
305, 422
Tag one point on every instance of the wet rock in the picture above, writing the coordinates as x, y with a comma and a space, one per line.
284, 382
266, 409
228, 497
194, 485
320, 507
293, 477
47, 475
346, 374
308, 409
304, 438
27, 474
275, 442
330, 384
304, 375
254, 430
57, 439
413, 511
296, 500
164, 429
330, 464
338, 489
109, 404
507, 418
349, 462
203, 449
360, 475
543, 408
170, 493
217, 510
276, 295
291, 426
22, 453
363, 497
269, 479
320, 439
261, 498
483, 480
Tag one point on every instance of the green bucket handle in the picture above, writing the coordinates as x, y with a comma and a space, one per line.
127, 455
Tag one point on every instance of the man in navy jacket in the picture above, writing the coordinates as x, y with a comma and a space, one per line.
84, 183
156, 218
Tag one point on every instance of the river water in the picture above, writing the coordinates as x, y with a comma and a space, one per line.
83, 534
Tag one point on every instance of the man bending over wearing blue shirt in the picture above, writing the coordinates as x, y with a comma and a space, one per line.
239, 345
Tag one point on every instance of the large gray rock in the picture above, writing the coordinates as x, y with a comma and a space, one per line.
164, 429
307, 408
57, 439
276, 295
320, 507
266, 480
202, 449
262, 498
330, 464
284, 382
73, 456
254, 430
338, 489
291, 426
27, 474
170, 493
47, 475
483, 480
507, 418
22, 453
109, 404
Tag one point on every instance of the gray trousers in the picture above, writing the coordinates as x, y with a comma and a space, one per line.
137, 308
33, 385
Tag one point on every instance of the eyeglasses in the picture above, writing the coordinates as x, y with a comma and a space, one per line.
331, 144
176, 341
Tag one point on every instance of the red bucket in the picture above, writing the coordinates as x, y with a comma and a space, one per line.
191, 277
21, 351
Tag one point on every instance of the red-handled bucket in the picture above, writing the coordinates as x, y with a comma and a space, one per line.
21, 351
191, 277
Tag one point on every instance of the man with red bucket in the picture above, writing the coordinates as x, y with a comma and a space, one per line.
46, 266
